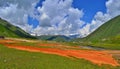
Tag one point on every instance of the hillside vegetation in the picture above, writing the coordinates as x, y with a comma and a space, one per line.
9, 30
111, 29
106, 36
58, 38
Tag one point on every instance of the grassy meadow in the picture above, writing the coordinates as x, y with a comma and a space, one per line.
16, 59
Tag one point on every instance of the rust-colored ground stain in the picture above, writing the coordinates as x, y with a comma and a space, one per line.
97, 57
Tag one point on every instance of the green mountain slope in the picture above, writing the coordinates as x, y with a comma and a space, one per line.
106, 36
59, 38
9, 30
110, 29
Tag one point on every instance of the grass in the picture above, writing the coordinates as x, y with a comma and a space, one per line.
9, 30
111, 43
108, 30
106, 36
107, 46
16, 59
38, 44
104, 45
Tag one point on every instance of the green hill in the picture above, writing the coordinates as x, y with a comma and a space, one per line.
110, 29
59, 38
9, 30
106, 36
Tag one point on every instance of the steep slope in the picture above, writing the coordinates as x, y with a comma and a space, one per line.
106, 36
9, 30
110, 29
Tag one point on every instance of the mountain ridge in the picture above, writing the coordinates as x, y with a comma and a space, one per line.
59, 38
9, 30
107, 30
106, 36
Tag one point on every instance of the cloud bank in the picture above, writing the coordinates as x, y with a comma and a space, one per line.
113, 10
56, 17
17, 11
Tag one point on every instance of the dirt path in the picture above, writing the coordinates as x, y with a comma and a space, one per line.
97, 57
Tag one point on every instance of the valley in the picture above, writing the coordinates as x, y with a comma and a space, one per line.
99, 50
72, 53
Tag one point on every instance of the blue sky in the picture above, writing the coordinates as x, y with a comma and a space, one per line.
89, 7
59, 17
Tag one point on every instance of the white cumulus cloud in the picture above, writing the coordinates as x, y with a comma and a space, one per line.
113, 10
59, 17
16, 12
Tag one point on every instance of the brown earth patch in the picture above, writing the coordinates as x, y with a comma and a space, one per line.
97, 57
93, 56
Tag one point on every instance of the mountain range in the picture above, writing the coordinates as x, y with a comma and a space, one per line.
106, 36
